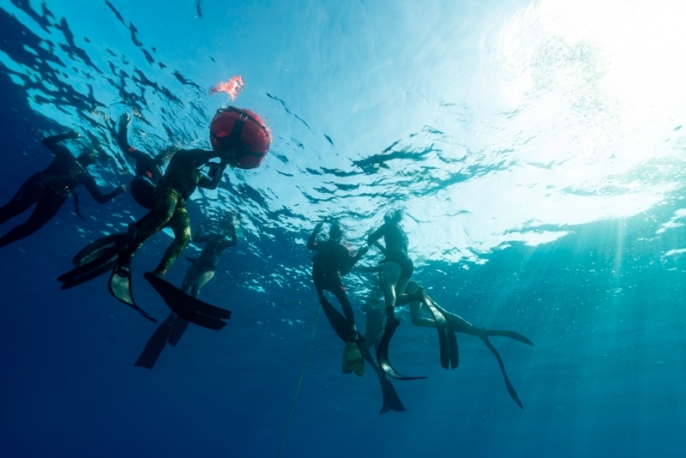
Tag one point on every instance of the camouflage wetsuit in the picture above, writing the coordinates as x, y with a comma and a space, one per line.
180, 180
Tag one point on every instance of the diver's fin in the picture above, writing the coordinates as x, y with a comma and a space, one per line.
352, 359
186, 306
120, 288
155, 345
511, 334
339, 323
178, 328
446, 335
382, 353
95, 249
96, 259
510, 388
449, 331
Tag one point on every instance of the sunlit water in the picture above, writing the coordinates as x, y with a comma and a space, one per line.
536, 148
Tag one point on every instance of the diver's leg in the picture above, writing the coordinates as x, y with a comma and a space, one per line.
46, 208
416, 308
150, 224
189, 278
201, 281
27, 195
391, 275
181, 225
338, 290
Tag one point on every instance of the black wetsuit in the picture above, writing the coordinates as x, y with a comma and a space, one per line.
147, 170
49, 190
396, 246
331, 261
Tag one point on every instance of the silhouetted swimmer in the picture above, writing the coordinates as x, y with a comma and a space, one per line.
332, 261
51, 188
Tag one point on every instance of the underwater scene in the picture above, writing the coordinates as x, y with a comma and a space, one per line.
363, 228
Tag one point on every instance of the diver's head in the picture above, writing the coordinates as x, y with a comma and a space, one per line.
393, 216
335, 231
87, 158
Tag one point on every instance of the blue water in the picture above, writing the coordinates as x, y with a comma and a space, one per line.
537, 149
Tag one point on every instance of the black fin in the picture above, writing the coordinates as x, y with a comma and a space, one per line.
120, 287
188, 307
511, 334
155, 345
446, 335
94, 249
340, 324
96, 259
178, 328
382, 353
510, 388
449, 331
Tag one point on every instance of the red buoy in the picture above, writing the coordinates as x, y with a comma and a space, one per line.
243, 130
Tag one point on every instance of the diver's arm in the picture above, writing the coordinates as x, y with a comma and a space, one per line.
232, 233
372, 269
122, 135
312, 242
97, 194
201, 235
376, 235
213, 182
361, 252
52, 143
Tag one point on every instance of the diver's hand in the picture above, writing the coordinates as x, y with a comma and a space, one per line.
124, 120
72, 134
121, 189
318, 227
363, 251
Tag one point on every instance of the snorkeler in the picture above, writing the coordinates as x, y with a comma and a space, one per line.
199, 273
51, 188
397, 268
332, 261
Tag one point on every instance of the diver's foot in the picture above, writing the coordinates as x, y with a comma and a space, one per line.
355, 336
352, 359
123, 268
159, 272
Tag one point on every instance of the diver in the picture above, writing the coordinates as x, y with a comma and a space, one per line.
397, 268
201, 271
457, 324
332, 261
216, 242
51, 188
148, 169
397, 265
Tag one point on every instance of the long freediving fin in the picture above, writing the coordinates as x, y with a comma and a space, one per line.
95, 249
446, 335
382, 353
186, 306
155, 345
96, 259
120, 287
340, 325
178, 328
511, 334
510, 388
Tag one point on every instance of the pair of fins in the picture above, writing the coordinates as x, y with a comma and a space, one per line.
449, 355
101, 256
340, 324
